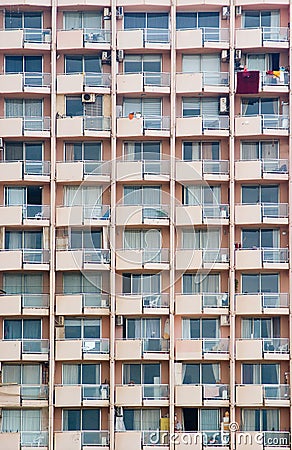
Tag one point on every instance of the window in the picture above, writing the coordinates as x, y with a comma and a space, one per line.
143, 328
83, 151
16, 240
141, 373
142, 195
202, 420
259, 194
201, 195
261, 282
18, 20
200, 328
200, 373
141, 283
142, 239
260, 238
82, 283
29, 420
255, 106
82, 196
30, 197
193, 20
260, 328
201, 63
260, 373
82, 328
142, 419
80, 374
23, 108
193, 106
75, 107
27, 283
137, 151
146, 20
30, 153
85, 239
260, 150
83, 19
142, 63
31, 66
260, 419
200, 239
263, 62
84, 420
257, 19
82, 64
200, 283
22, 374
197, 151
22, 329
150, 108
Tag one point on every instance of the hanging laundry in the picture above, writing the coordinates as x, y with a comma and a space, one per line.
248, 82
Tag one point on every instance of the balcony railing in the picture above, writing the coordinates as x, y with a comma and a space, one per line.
275, 166
276, 438
95, 392
271, 300
155, 301
36, 79
153, 167
34, 438
35, 301
155, 345
275, 121
96, 256
215, 167
275, 255
97, 346
96, 36
37, 168
95, 438
271, 210
216, 211
36, 123
275, 34
97, 79
215, 34
276, 391
34, 392
157, 79
275, 345
36, 212
155, 438
212, 122
156, 36
96, 212
40, 346
157, 255
215, 300
35, 256
155, 212
96, 123
215, 345
215, 391
161, 123
155, 391
273, 80
34, 36
217, 255
215, 79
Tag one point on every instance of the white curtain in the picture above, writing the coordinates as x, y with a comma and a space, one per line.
186, 329
15, 196
133, 239
269, 150
85, 196
31, 420
150, 419
11, 373
151, 195
33, 108
71, 374
250, 151
151, 328
11, 420
31, 374
72, 20
246, 328
257, 62
14, 108
192, 195
209, 420
249, 419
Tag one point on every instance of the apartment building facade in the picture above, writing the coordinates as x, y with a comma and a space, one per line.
145, 184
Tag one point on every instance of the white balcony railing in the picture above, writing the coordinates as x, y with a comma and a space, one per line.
155, 345
271, 300
161, 123
274, 80
36, 212
35, 301
215, 34
275, 34
34, 438
275, 121
215, 167
97, 79
216, 211
275, 255
156, 79
95, 392
212, 122
276, 438
155, 391
96, 346
276, 391
36, 123
97, 212
96, 123
217, 300
96, 36
215, 391
215, 345
271, 210
35, 256
216, 255
36, 79
155, 212
156, 36
274, 166
215, 79
92, 438
34, 392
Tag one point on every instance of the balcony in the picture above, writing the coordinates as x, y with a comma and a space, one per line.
36, 215
39, 83
24, 349
142, 395
146, 348
153, 170
154, 38
262, 303
205, 348
142, 215
95, 126
76, 83
272, 83
268, 440
260, 213
206, 303
276, 37
258, 258
207, 125
212, 170
82, 395
158, 82
191, 259
89, 170
202, 394
78, 440
202, 439
145, 440
202, 214
96, 259
129, 304
34, 395
204, 81
156, 126
263, 395
25, 38
29, 259
202, 37
262, 348
267, 169
149, 259
83, 303
25, 126
94, 38
97, 215
266, 124
86, 349
24, 304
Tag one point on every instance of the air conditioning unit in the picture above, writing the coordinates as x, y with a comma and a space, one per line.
106, 13
59, 321
224, 258
223, 105
225, 12
224, 55
88, 98
238, 10
238, 54
224, 320
120, 12
120, 55
119, 321
119, 411
105, 57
